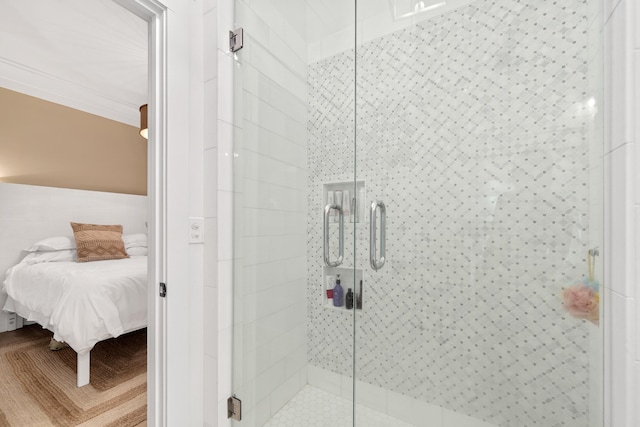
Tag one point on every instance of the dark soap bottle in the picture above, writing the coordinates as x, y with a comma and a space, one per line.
349, 300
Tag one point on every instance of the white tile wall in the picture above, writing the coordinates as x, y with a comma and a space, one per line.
225, 87
210, 112
637, 388
210, 45
618, 328
210, 159
210, 389
634, 117
618, 164
622, 189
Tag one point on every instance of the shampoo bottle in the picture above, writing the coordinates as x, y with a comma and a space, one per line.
338, 293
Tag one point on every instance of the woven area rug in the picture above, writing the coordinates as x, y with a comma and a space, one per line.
38, 386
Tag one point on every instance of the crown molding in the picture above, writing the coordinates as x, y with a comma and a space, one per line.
33, 82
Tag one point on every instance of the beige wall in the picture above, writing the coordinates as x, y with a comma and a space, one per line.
42, 143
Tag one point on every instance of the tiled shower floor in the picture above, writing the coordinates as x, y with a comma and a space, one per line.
313, 407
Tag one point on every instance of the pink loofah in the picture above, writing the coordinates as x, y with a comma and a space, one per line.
582, 301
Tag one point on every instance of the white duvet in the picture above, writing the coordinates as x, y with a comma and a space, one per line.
82, 303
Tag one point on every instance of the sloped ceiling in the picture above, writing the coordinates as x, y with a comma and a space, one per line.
89, 55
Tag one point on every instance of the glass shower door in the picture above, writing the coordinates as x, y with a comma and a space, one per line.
478, 127
456, 146
281, 272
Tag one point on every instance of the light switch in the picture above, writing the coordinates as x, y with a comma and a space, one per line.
196, 230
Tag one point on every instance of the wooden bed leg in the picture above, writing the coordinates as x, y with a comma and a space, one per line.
83, 368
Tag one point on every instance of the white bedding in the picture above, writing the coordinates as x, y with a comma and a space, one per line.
82, 303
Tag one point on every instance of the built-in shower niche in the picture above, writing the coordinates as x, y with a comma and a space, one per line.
348, 276
351, 198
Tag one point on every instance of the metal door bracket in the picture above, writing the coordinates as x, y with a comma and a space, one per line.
234, 408
163, 290
235, 40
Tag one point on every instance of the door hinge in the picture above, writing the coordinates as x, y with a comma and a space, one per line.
235, 40
234, 408
163, 290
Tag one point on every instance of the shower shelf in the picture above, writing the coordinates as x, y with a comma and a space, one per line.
347, 281
355, 217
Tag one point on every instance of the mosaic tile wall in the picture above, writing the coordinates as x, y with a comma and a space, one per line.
474, 129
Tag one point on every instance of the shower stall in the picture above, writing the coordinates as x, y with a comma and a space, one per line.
442, 160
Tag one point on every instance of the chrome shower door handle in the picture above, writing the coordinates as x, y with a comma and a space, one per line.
327, 211
377, 263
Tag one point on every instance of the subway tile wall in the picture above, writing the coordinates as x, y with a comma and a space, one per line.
476, 128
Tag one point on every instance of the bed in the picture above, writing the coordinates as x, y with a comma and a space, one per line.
82, 303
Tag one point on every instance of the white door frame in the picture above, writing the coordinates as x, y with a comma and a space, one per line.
168, 393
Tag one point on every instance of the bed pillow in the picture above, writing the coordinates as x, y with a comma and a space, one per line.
53, 244
137, 251
135, 244
138, 240
66, 255
98, 242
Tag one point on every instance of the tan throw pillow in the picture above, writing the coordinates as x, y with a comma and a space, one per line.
98, 242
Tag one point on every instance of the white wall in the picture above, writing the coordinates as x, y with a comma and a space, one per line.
216, 20
197, 252
622, 212
176, 189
